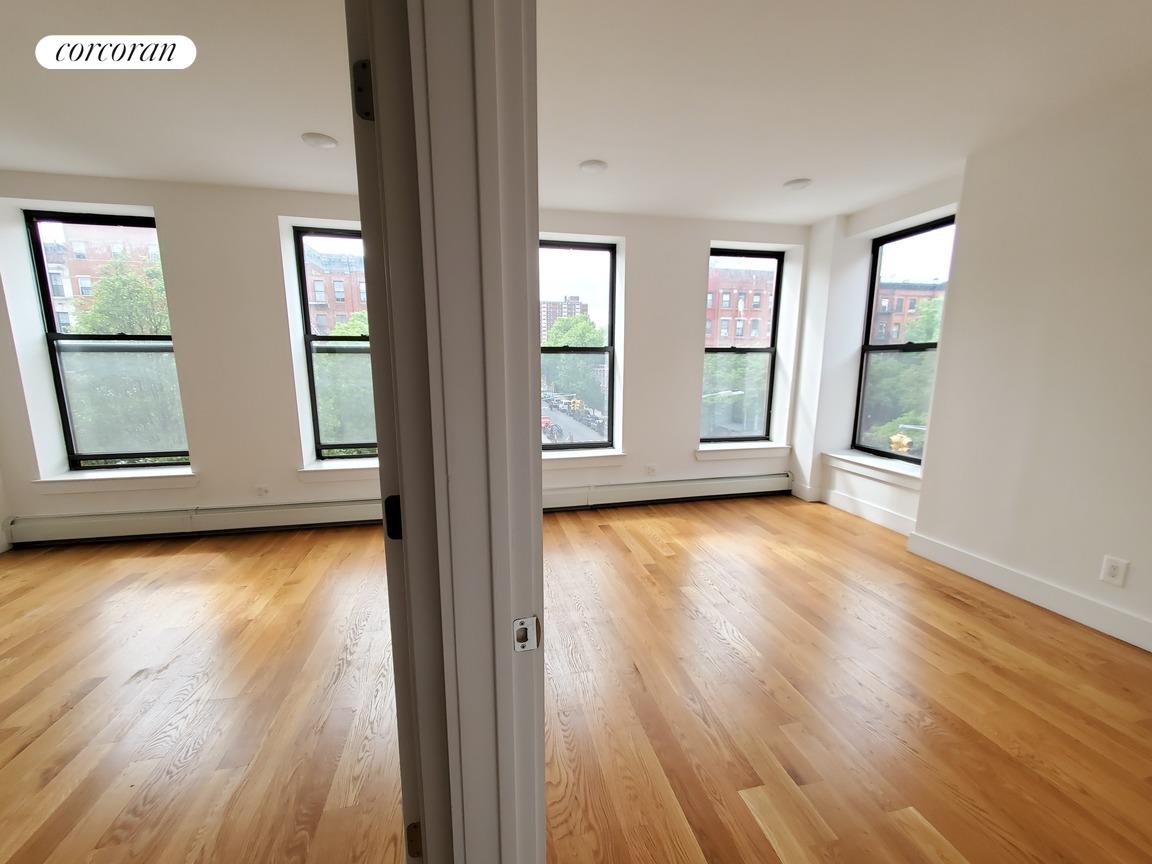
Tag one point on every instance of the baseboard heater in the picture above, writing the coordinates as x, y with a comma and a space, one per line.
195, 520
575, 497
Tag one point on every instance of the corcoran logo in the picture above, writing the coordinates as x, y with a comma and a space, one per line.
115, 52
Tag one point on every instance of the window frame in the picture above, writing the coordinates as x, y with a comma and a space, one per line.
299, 232
903, 347
777, 286
609, 348
55, 337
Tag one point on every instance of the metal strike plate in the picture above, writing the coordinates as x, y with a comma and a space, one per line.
525, 634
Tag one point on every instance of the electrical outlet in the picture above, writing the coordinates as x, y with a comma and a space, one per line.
262, 491
650, 470
1114, 571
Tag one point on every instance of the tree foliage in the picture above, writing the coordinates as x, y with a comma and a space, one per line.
583, 376
356, 325
575, 331
897, 391
126, 299
124, 401
735, 395
925, 327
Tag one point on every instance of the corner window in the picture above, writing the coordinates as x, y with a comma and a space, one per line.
736, 400
577, 347
339, 363
110, 345
898, 361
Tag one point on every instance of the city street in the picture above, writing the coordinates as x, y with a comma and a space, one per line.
575, 432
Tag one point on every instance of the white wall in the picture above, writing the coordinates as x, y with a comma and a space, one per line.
1045, 359
5, 515
885, 491
664, 277
236, 353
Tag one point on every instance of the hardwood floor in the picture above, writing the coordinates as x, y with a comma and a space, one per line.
223, 699
765, 680
757, 680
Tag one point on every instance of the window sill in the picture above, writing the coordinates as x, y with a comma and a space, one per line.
893, 471
597, 458
119, 480
340, 470
740, 450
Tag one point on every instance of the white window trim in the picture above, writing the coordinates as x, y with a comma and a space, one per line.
119, 480
894, 471
724, 450
340, 470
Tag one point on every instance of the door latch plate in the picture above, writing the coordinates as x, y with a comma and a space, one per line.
526, 634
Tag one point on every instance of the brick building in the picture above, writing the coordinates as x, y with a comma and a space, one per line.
738, 308
335, 285
898, 304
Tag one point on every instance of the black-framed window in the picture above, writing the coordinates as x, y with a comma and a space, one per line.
338, 358
109, 342
908, 284
740, 361
577, 344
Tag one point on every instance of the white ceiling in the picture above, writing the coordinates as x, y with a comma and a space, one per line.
700, 108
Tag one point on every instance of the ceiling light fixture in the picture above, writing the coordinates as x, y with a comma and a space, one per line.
319, 140
798, 183
593, 166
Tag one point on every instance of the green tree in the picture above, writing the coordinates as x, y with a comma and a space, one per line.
126, 299
897, 391
925, 327
581, 375
125, 400
356, 325
735, 395
575, 331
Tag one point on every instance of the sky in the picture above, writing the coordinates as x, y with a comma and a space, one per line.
564, 272
923, 257
330, 245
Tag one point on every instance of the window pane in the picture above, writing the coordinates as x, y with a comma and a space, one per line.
912, 281
735, 401
119, 285
337, 261
574, 398
894, 405
344, 406
746, 285
575, 297
122, 397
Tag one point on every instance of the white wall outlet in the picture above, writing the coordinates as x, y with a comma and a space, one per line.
262, 491
650, 470
1114, 571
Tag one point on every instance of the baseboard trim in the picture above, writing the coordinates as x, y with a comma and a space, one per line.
807, 493
1124, 625
576, 497
197, 520
872, 512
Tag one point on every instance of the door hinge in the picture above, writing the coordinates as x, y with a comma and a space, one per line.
362, 98
393, 525
414, 840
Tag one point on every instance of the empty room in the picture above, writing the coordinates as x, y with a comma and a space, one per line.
524, 430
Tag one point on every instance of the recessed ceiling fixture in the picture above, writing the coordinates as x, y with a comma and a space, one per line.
798, 183
593, 166
319, 140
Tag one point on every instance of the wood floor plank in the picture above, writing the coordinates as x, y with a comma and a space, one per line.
752, 680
